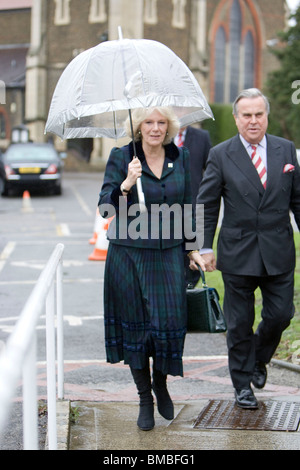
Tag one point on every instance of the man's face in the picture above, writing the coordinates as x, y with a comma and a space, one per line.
252, 119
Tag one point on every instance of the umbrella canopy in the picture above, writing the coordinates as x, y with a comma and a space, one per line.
99, 86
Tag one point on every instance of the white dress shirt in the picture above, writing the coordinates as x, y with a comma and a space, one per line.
261, 149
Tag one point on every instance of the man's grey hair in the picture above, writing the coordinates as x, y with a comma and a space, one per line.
250, 93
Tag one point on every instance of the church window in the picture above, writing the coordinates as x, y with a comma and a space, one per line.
62, 12
249, 61
178, 19
97, 11
234, 47
220, 52
150, 12
235, 41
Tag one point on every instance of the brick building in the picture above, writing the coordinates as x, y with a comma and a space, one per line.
224, 42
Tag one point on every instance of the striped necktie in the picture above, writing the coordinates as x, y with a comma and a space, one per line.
180, 140
260, 167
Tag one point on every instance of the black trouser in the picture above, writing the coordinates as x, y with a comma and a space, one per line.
245, 347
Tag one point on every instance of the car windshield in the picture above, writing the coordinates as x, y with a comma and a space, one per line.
30, 153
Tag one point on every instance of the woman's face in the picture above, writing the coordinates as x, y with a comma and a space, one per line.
154, 129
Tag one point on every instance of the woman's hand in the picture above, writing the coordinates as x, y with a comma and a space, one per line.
196, 258
134, 172
207, 259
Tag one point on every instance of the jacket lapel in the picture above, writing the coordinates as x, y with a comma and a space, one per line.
274, 164
171, 155
238, 154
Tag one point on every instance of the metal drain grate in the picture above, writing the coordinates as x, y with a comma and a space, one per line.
270, 416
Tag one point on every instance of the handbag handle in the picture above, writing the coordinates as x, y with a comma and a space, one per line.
202, 276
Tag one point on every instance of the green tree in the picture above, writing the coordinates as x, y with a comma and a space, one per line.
283, 85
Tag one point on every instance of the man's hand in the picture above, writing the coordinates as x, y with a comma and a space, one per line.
210, 261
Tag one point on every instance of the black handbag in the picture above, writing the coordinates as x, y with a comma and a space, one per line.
204, 313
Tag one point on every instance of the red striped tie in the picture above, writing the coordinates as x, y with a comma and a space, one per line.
180, 140
260, 167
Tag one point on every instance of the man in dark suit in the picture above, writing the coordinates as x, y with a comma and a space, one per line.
255, 246
197, 141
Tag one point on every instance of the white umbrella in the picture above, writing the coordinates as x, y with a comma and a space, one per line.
100, 86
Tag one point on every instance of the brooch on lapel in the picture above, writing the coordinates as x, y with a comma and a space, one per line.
288, 168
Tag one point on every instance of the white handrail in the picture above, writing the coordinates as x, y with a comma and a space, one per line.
19, 356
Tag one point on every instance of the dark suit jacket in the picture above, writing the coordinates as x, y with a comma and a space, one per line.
159, 227
256, 233
198, 143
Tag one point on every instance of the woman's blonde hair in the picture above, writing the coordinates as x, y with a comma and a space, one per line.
140, 114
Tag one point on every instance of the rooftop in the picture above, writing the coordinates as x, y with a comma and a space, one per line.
15, 4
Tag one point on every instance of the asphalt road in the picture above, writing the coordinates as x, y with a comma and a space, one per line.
28, 236
29, 231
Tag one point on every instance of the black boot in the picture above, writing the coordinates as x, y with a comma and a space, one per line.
164, 403
142, 380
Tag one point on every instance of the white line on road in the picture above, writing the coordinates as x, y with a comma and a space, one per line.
82, 203
63, 230
9, 248
7, 324
65, 281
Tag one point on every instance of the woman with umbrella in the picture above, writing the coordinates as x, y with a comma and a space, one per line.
144, 287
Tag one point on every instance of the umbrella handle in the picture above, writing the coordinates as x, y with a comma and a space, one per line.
141, 196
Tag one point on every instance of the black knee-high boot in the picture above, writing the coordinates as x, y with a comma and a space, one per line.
142, 380
164, 403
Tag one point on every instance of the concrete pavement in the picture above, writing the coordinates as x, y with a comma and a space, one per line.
105, 410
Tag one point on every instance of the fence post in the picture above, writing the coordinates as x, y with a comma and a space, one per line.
30, 412
60, 332
19, 355
51, 374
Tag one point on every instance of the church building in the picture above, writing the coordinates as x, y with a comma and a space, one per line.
226, 44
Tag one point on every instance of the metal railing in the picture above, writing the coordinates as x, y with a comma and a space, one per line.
19, 357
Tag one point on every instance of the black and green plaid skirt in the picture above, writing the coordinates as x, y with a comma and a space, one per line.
145, 307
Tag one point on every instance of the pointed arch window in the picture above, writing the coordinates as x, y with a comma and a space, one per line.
220, 53
249, 60
234, 53
235, 42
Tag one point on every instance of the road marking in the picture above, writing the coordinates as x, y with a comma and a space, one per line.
65, 281
40, 265
28, 264
9, 248
122, 365
7, 324
63, 230
82, 203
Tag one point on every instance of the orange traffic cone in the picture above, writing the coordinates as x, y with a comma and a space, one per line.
101, 245
26, 202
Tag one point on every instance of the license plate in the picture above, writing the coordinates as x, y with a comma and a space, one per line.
34, 170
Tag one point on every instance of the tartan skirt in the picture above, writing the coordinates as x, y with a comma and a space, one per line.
145, 307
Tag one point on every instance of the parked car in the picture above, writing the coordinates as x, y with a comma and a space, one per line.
31, 165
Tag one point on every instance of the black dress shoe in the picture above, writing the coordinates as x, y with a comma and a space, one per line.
245, 399
259, 377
